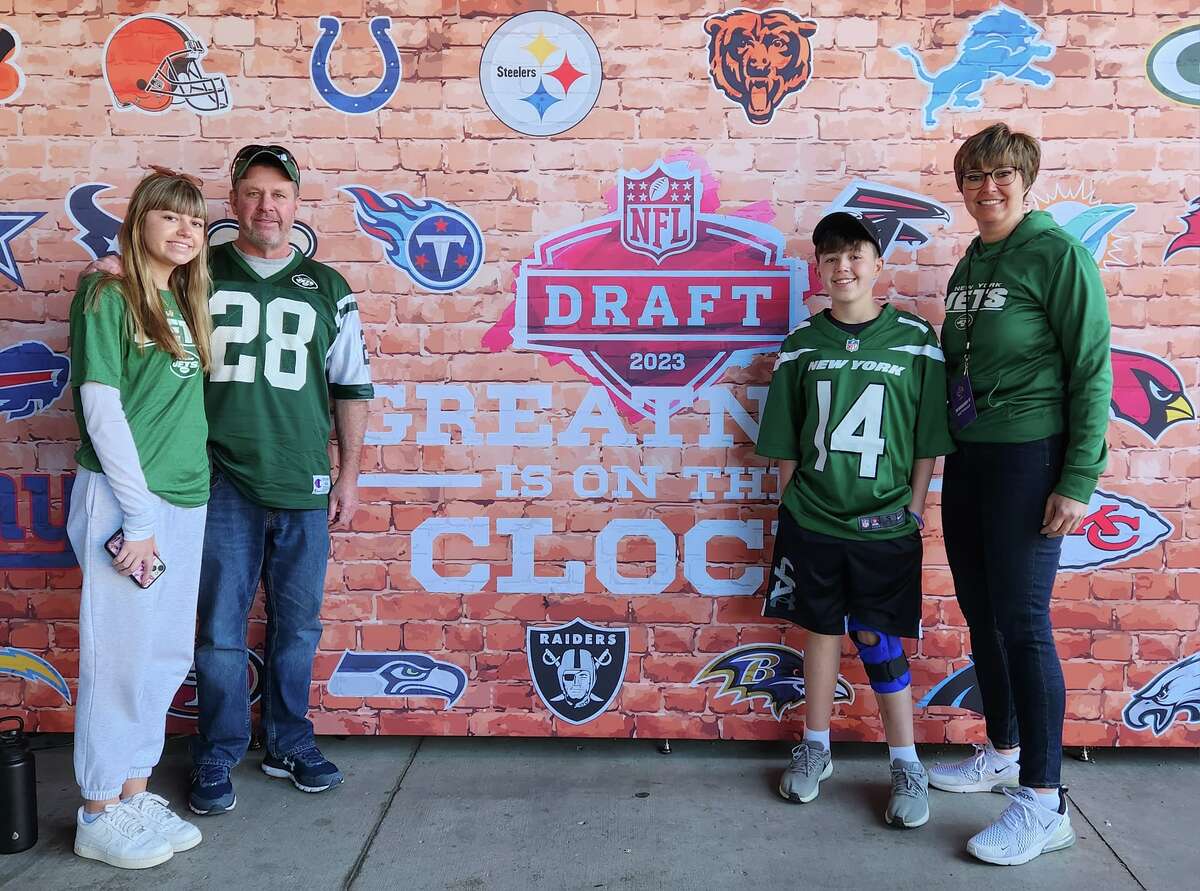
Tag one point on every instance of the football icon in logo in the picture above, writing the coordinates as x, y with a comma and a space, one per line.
152, 63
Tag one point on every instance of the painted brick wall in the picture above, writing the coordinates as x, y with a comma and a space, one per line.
1109, 136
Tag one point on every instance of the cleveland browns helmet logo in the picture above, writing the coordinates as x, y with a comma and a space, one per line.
152, 62
758, 58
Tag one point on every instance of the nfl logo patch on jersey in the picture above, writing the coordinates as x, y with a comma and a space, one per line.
320, 485
851, 344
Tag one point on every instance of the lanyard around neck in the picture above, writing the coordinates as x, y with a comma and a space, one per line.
986, 284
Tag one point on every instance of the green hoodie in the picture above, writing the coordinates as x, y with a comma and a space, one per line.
1039, 360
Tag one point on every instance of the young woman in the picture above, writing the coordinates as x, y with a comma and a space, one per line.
139, 348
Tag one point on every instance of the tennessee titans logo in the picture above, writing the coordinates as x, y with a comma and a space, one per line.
1173, 695
361, 103
1190, 236
770, 672
186, 704
97, 227
959, 690
900, 217
32, 376
24, 664
438, 245
12, 224
397, 674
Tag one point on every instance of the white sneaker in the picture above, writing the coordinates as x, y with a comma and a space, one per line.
981, 772
119, 838
1025, 830
155, 815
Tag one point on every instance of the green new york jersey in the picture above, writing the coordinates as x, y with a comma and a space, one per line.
855, 411
282, 346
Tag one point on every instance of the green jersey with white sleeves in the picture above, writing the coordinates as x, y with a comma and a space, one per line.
282, 347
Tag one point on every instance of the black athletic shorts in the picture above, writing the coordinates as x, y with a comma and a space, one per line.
817, 581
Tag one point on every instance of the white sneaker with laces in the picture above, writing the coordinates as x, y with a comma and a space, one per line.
119, 838
155, 815
981, 772
1025, 830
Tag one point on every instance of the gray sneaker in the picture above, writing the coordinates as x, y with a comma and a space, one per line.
908, 807
811, 763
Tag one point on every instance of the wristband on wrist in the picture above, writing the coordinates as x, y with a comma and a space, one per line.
920, 520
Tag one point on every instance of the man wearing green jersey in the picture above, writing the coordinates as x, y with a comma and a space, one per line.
856, 416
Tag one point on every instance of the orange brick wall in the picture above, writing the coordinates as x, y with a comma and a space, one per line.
1109, 137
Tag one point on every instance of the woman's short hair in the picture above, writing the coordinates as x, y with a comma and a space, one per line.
998, 146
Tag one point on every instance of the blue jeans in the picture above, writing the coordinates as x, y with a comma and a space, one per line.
993, 499
288, 550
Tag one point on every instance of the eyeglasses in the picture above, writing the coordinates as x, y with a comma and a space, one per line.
1001, 176
186, 177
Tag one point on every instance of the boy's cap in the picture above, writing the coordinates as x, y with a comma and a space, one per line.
271, 154
849, 225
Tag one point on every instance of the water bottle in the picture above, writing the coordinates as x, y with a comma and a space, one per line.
18, 788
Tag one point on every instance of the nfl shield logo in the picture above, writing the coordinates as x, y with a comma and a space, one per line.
577, 668
658, 210
851, 344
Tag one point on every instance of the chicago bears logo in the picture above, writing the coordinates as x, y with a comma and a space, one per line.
1001, 43
12, 224
186, 704
577, 668
32, 376
12, 78
1173, 695
438, 245
959, 690
1173, 66
360, 103
757, 59
772, 673
24, 664
397, 674
302, 237
900, 217
1190, 236
152, 64
1148, 393
97, 227
1114, 529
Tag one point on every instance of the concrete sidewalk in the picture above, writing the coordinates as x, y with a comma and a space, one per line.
437, 813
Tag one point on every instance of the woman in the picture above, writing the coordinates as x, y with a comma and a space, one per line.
139, 347
1026, 343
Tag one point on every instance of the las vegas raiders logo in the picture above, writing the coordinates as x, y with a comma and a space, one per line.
577, 668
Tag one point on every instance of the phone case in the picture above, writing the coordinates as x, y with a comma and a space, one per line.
113, 546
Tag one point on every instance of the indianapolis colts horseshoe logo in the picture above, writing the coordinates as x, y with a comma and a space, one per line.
346, 102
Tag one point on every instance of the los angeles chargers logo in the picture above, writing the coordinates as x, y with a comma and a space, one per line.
97, 227
772, 673
1173, 695
12, 78
24, 664
397, 674
1190, 236
1001, 43
349, 103
32, 376
901, 218
959, 690
1148, 393
12, 224
438, 245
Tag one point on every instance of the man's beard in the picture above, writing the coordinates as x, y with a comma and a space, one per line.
263, 243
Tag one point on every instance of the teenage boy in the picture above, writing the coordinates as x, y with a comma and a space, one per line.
856, 415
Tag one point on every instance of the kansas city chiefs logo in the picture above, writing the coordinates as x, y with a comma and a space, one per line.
1114, 529
901, 218
1190, 236
1173, 695
771, 673
1148, 393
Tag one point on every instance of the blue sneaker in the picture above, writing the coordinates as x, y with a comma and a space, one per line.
212, 790
308, 770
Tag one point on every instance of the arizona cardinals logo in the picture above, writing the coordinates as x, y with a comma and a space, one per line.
895, 213
1174, 694
97, 227
1148, 393
959, 690
24, 664
1190, 236
770, 672
32, 376
397, 674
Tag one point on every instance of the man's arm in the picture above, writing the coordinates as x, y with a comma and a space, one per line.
350, 420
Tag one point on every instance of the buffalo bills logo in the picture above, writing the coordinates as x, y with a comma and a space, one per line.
1148, 393
32, 376
438, 245
900, 217
1173, 695
349, 103
186, 704
12, 224
1190, 236
772, 673
959, 690
577, 668
757, 59
31, 667
397, 674
97, 227
1114, 529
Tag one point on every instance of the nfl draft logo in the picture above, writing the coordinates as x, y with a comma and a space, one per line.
1114, 529
658, 212
577, 668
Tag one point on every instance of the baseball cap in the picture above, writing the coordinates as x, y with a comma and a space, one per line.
850, 226
271, 154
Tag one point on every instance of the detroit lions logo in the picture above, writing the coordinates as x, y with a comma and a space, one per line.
770, 672
397, 674
438, 245
1173, 695
24, 664
759, 58
899, 216
97, 227
959, 690
999, 44
349, 103
32, 376
1190, 236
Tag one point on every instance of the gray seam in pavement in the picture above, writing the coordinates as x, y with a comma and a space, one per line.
1100, 835
383, 812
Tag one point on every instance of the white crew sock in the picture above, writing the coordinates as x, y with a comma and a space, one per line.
1049, 799
903, 753
820, 736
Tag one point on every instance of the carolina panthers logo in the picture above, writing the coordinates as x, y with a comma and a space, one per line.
899, 217
770, 672
32, 377
1190, 236
347, 102
1173, 695
999, 44
12, 224
24, 664
397, 674
959, 690
97, 227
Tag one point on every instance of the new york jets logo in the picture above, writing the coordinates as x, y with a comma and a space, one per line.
303, 281
785, 588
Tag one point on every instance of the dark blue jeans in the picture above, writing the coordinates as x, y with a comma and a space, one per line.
288, 550
993, 499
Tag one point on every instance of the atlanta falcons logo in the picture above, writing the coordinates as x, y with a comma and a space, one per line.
1174, 694
1190, 236
896, 214
1148, 393
770, 672
959, 690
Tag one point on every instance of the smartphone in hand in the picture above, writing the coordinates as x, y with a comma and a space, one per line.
113, 546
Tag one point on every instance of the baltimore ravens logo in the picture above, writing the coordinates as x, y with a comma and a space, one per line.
1148, 393
1190, 236
346, 102
900, 217
771, 672
959, 690
397, 674
32, 376
186, 704
24, 664
1173, 695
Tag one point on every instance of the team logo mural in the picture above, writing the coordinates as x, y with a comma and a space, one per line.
12, 224
540, 73
772, 673
1148, 393
1173, 65
757, 59
32, 376
657, 298
97, 227
1173, 695
901, 218
1001, 43
1091, 221
1190, 236
397, 674
438, 245
30, 536
152, 64
302, 237
12, 78
577, 668
1115, 528
960, 689
31, 667
186, 704
350, 103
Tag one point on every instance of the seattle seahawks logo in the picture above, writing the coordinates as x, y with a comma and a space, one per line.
97, 227
360, 674
1173, 695
900, 218
771, 672
959, 690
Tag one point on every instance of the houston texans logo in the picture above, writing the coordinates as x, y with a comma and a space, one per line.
97, 227
1190, 236
896, 214
31, 377
959, 690
1174, 694
397, 674
1148, 393
24, 664
771, 672
346, 102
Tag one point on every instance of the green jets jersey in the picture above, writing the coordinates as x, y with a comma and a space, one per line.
855, 411
282, 346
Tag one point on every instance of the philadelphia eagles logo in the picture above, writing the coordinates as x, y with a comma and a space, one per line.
770, 672
1174, 694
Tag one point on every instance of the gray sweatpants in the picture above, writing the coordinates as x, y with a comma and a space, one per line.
135, 645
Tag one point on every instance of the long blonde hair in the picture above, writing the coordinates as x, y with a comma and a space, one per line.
190, 283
